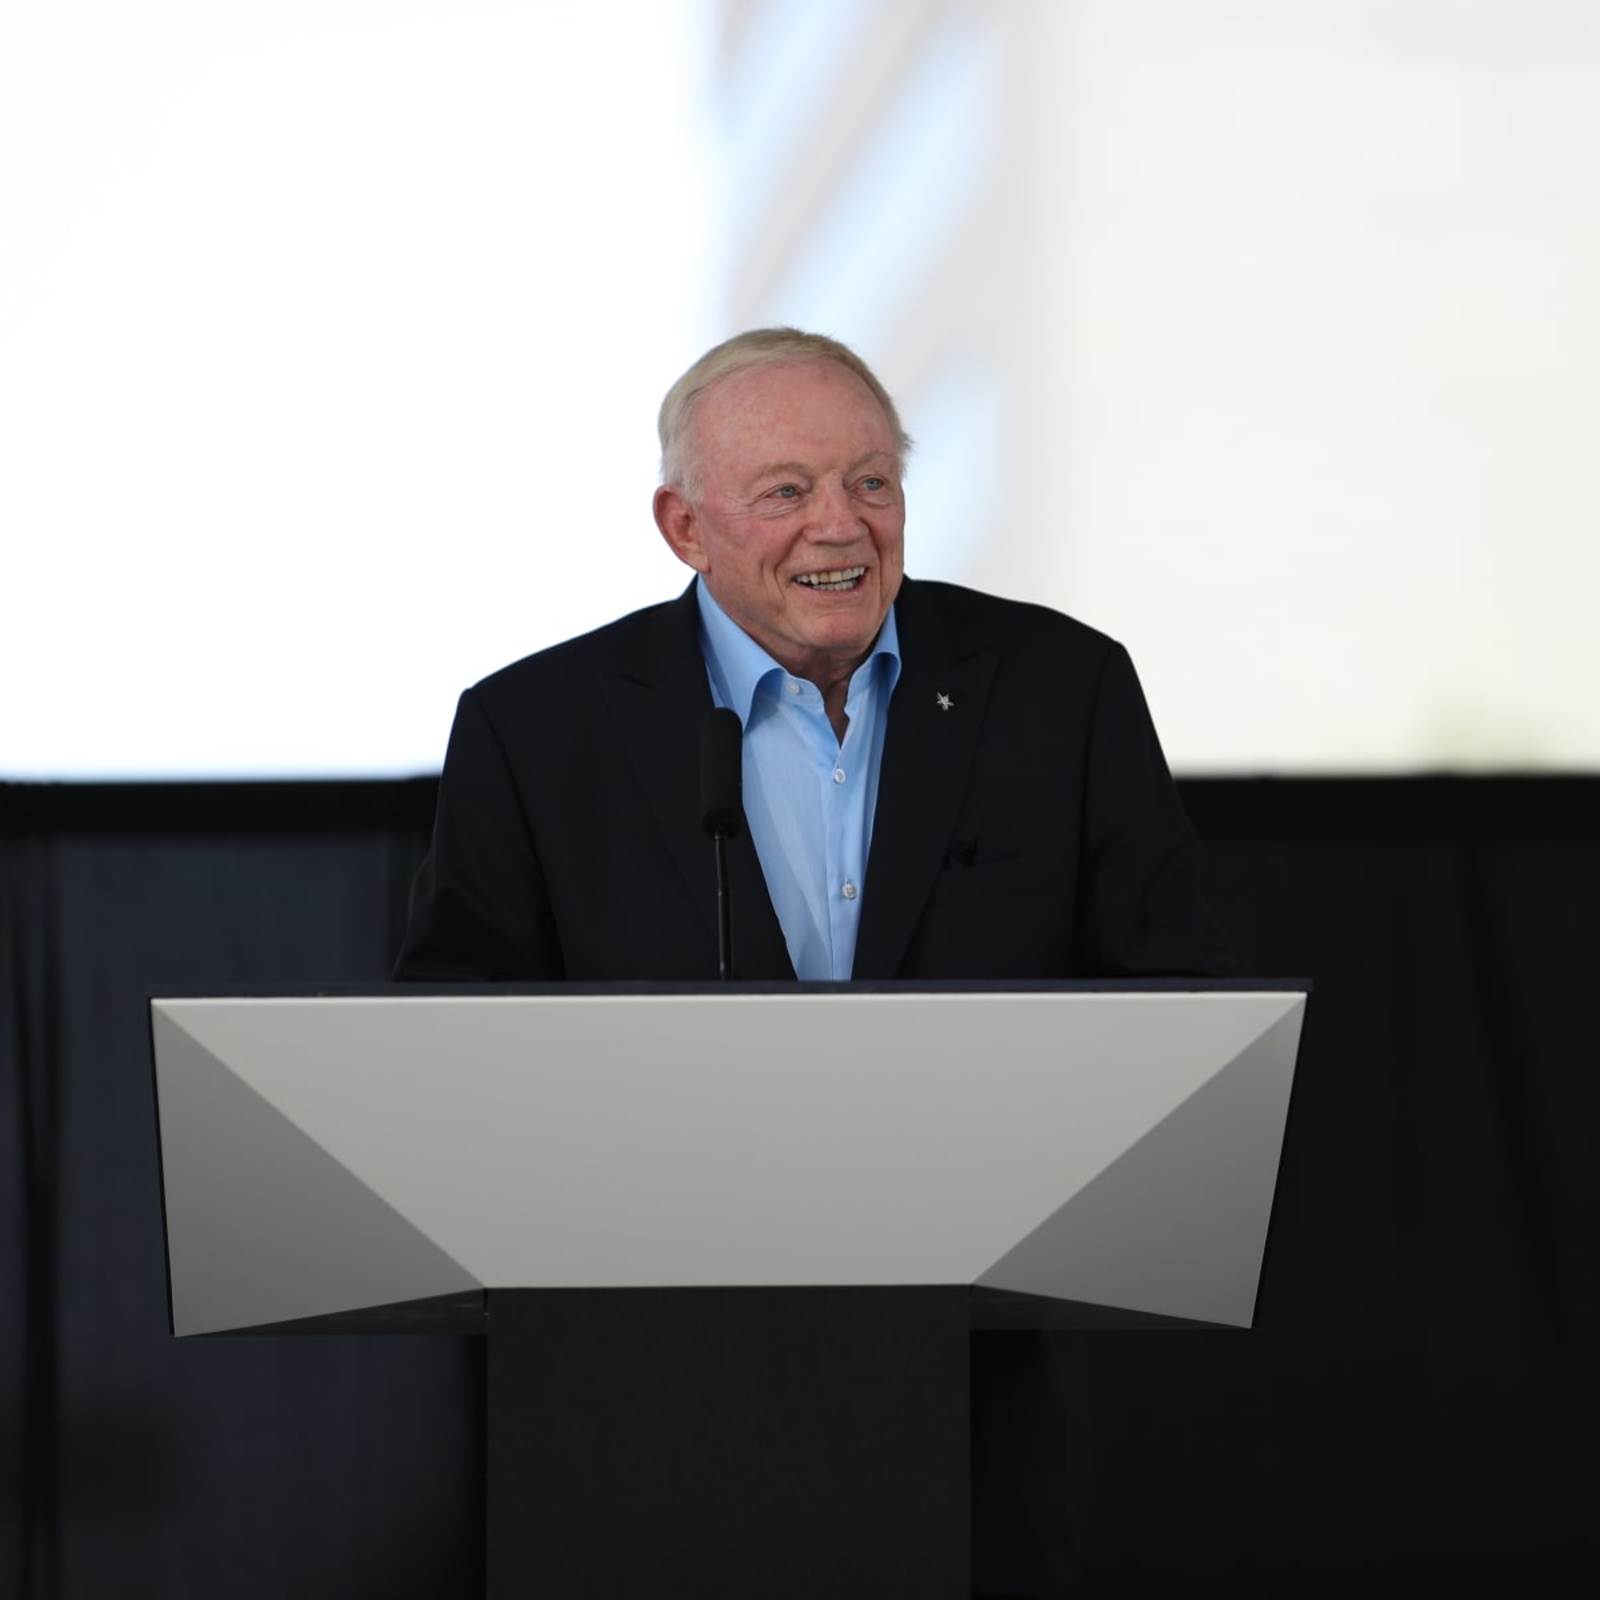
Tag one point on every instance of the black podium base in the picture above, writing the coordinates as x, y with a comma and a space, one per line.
781, 1443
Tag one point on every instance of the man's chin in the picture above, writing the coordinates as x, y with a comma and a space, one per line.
850, 639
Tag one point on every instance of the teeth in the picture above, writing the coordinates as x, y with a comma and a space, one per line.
835, 580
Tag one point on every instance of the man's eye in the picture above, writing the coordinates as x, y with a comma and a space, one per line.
874, 485
787, 491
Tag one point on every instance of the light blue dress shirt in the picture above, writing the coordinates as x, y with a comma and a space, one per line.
808, 799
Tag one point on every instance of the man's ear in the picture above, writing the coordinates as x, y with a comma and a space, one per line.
680, 526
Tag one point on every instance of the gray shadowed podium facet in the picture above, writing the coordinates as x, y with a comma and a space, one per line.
325, 1154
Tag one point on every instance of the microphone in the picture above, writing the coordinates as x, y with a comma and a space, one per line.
722, 811
722, 774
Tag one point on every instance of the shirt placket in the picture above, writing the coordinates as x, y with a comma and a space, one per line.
844, 772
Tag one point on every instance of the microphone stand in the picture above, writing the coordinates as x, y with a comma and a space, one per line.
719, 842
721, 812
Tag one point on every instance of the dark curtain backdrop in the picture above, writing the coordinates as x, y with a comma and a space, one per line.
1417, 1405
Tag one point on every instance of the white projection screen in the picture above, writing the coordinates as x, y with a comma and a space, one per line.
1261, 334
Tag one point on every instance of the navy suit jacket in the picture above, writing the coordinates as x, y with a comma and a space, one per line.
1029, 830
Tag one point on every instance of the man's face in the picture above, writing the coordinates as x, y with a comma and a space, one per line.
798, 519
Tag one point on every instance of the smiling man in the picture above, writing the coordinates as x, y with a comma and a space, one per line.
784, 494
939, 784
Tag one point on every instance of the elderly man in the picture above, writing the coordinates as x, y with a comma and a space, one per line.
938, 784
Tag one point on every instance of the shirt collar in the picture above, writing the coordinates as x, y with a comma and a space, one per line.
738, 665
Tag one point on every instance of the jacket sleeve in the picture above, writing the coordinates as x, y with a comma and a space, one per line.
479, 907
1141, 912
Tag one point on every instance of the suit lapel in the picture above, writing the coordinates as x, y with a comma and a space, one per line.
934, 721
659, 704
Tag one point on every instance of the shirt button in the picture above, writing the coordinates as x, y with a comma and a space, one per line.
838, 774
849, 891
792, 686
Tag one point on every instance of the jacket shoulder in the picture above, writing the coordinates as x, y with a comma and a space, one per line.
974, 621
641, 645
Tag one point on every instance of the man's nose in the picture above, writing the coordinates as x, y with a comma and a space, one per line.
835, 516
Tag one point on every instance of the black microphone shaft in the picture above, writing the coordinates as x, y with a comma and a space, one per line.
722, 811
724, 909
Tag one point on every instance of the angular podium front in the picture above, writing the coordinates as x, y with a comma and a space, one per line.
730, 1240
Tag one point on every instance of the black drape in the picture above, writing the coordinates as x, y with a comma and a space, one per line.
1416, 1404
1418, 1399
135, 1464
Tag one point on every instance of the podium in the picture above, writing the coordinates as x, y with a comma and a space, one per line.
728, 1243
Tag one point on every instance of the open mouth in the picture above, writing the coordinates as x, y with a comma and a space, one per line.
836, 580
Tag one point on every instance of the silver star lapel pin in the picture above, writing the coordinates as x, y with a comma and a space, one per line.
944, 702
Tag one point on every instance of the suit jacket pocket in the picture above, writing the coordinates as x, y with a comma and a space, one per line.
995, 880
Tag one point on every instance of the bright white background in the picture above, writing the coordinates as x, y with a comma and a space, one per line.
1261, 333
333, 336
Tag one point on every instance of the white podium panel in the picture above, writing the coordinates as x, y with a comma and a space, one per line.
1117, 1148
